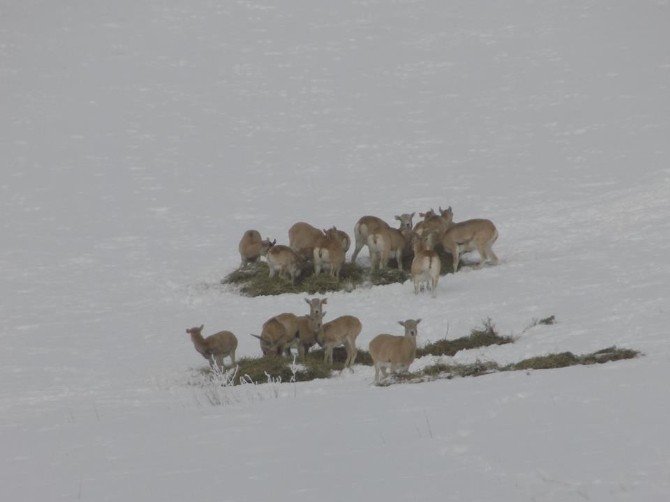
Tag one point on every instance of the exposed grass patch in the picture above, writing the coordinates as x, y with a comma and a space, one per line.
547, 320
561, 360
340, 355
281, 369
254, 280
564, 359
479, 337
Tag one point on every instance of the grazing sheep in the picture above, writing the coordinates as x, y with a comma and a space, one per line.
395, 353
302, 237
215, 347
329, 254
388, 243
279, 334
469, 235
435, 223
282, 260
250, 247
364, 227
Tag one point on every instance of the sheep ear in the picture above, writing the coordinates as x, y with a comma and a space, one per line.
323, 314
412, 215
398, 218
418, 321
255, 336
202, 326
402, 323
307, 301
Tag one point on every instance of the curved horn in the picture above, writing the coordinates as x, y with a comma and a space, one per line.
255, 336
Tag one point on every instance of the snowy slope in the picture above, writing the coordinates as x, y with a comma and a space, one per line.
140, 139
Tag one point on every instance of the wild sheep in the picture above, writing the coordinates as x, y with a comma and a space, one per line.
329, 254
388, 243
469, 235
282, 260
342, 236
435, 223
364, 227
302, 237
369, 225
394, 352
215, 347
250, 247
308, 330
425, 267
340, 331
309, 325
316, 305
279, 334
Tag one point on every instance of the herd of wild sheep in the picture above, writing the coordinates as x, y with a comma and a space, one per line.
326, 250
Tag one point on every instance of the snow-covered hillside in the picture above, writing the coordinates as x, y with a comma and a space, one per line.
141, 138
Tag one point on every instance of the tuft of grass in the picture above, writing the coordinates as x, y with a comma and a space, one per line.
280, 368
548, 320
257, 369
382, 277
563, 359
340, 355
255, 280
549, 361
479, 337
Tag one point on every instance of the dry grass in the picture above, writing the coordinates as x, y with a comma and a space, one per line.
254, 280
479, 337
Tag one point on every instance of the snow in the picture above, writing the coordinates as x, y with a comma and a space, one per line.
141, 139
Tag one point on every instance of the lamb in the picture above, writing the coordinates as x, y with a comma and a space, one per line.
250, 247
469, 235
341, 331
215, 347
279, 334
328, 253
282, 260
388, 243
394, 352
426, 265
302, 238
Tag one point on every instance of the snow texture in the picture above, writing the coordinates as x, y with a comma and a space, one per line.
141, 138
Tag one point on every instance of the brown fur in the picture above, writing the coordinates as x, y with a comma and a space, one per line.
435, 223
302, 238
328, 253
282, 260
426, 266
341, 331
250, 247
469, 235
215, 347
394, 352
279, 334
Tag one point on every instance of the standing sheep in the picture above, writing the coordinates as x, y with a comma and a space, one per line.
215, 347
